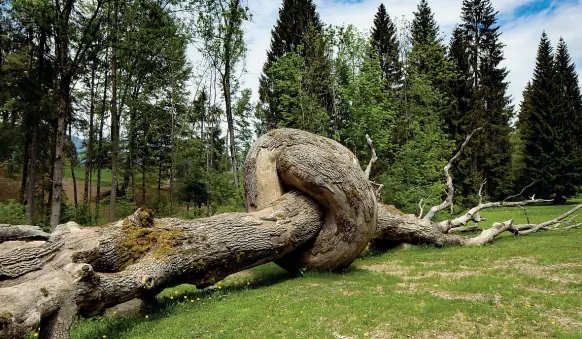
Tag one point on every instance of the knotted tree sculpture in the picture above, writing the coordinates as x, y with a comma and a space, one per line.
309, 204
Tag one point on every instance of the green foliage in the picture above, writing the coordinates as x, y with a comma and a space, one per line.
479, 93
12, 213
386, 47
221, 191
298, 39
297, 105
549, 125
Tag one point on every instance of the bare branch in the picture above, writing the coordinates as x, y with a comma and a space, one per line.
421, 206
520, 193
551, 222
373, 159
473, 213
448, 202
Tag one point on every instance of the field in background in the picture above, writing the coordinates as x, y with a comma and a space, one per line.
519, 287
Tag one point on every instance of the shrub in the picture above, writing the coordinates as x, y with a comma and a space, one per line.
12, 213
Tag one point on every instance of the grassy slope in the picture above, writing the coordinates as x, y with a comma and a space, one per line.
80, 175
525, 287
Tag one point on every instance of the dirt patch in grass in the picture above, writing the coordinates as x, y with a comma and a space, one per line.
460, 296
393, 268
531, 267
406, 273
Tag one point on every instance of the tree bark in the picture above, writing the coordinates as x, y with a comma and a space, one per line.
89, 160
114, 120
73, 164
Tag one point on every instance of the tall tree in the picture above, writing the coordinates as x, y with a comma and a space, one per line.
221, 26
483, 101
537, 122
297, 19
386, 47
548, 121
68, 62
114, 112
569, 130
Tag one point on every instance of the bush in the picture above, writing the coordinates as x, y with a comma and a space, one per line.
12, 213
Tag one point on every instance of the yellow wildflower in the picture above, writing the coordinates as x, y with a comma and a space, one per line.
147, 316
36, 334
185, 297
171, 297
221, 331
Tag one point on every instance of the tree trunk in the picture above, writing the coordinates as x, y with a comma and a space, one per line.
114, 122
230, 124
143, 185
35, 123
89, 160
64, 92
32, 175
73, 164
21, 197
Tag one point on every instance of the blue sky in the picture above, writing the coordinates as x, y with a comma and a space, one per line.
522, 23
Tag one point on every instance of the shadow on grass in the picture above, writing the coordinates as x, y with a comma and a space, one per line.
114, 327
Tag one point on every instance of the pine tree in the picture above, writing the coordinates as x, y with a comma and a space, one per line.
428, 56
386, 47
296, 19
568, 127
487, 104
424, 28
537, 121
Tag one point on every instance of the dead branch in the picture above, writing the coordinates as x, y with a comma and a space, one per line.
550, 222
448, 202
473, 213
373, 159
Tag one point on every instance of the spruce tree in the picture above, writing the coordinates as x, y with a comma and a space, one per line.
568, 129
537, 123
487, 103
427, 46
296, 19
385, 43
424, 28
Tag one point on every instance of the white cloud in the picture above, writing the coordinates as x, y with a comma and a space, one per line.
520, 35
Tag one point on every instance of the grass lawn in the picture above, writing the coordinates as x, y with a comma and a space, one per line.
519, 287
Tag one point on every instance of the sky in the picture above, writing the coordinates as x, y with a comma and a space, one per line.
522, 23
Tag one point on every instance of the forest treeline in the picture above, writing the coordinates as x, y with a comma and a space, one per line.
173, 135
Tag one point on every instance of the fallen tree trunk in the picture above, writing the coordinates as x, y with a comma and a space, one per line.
311, 206
87, 269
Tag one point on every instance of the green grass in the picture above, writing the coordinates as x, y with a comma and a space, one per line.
80, 175
519, 287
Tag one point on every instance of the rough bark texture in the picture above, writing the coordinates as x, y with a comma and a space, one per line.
330, 174
310, 204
